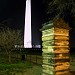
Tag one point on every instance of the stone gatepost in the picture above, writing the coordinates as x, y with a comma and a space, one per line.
55, 47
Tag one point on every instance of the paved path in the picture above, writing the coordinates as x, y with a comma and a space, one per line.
35, 70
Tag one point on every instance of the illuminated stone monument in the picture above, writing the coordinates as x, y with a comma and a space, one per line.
27, 29
55, 37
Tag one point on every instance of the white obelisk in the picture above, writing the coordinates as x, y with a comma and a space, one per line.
27, 29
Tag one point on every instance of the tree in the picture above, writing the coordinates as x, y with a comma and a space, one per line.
61, 9
9, 38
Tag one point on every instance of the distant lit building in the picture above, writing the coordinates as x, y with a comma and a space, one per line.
55, 37
36, 46
19, 46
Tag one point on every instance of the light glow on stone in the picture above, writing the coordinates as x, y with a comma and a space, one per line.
55, 42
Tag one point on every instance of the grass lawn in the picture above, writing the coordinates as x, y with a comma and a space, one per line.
11, 69
35, 70
18, 67
21, 68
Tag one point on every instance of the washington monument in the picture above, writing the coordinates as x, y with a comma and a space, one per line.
27, 28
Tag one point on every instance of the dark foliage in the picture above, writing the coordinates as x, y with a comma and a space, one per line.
61, 9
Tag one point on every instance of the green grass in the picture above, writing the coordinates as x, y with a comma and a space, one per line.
35, 70
20, 68
11, 69
20, 65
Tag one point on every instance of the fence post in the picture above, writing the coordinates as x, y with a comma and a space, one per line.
25, 56
36, 59
30, 57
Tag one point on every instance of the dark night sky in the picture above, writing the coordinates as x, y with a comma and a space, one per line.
12, 14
